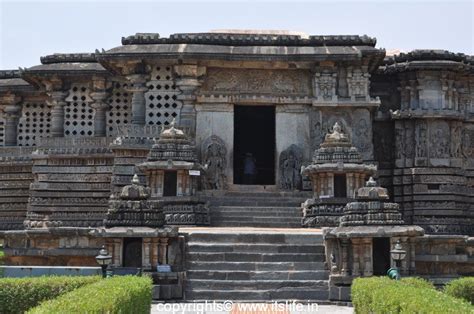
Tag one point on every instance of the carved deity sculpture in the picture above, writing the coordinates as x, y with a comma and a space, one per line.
456, 142
439, 142
290, 164
421, 139
399, 143
214, 159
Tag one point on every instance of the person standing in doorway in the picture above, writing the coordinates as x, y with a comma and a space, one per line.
250, 169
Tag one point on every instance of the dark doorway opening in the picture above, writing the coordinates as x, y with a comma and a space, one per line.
132, 252
170, 182
254, 133
340, 185
381, 255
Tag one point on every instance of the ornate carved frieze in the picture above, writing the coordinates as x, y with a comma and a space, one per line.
358, 83
288, 82
325, 86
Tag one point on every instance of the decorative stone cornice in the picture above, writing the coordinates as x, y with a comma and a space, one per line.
249, 39
68, 57
427, 60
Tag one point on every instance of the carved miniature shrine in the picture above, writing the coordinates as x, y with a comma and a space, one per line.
360, 245
337, 172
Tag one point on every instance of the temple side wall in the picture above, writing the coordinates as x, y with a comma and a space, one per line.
292, 128
217, 120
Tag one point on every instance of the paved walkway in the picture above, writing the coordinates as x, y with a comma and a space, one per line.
247, 308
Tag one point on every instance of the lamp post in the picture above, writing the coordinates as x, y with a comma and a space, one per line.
398, 254
103, 259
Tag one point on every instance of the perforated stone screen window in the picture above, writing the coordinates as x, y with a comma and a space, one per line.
78, 114
2, 129
120, 108
35, 122
161, 99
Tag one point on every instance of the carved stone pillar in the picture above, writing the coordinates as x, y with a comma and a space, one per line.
100, 107
58, 101
349, 187
330, 184
146, 261
163, 251
188, 81
411, 255
12, 112
345, 257
138, 90
367, 252
154, 252
322, 182
357, 257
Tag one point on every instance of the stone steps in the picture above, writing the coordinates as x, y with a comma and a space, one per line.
237, 223
260, 248
255, 264
214, 284
254, 257
254, 209
283, 294
258, 275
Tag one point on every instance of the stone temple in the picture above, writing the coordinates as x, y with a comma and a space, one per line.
330, 149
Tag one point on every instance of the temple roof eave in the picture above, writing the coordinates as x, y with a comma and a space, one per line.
339, 167
168, 165
241, 53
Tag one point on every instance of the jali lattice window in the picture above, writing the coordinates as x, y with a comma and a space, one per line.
120, 108
2, 129
161, 99
78, 114
35, 122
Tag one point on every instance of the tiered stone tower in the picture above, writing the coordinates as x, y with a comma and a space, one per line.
337, 172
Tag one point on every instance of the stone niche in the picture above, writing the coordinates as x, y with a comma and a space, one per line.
360, 246
172, 172
337, 172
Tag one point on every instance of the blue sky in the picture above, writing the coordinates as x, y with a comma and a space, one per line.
30, 29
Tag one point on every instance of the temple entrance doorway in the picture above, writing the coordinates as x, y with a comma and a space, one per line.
254, 145
381, 255
170, 182
132, 252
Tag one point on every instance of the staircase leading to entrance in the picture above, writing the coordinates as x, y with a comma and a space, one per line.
252, 209
255, 264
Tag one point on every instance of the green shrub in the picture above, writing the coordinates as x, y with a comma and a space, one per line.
121, 294
17, 295
462, 288
418, 282
383, 295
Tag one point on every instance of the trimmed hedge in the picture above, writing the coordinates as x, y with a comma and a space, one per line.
121, 294
418, 282
462, 288
17, 295
383, 295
